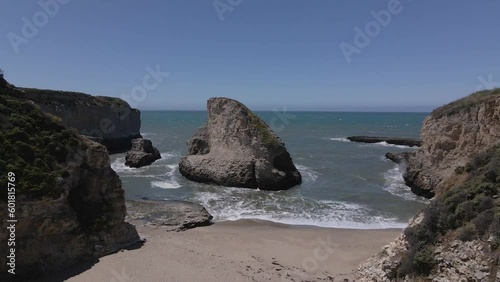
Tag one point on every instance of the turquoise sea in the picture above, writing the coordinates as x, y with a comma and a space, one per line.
346, 184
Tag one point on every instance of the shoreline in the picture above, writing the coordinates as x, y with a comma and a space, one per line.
269, 222
241, 250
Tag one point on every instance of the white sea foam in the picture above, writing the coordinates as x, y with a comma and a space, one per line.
168, 155
340, 139
360, 177
119, 166
395, 184
285, 207
166, 184
148, 134
308, 174
171, 182
162, 175
385, 144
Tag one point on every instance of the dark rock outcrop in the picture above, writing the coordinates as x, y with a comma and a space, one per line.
410, 142
69, 206
142, 153
399, 158
236, 148
175, 215
109, 121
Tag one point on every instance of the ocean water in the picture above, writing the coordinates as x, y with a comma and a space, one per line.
345, 184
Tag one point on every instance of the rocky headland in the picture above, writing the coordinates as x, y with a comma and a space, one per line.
236, 148
107, 120
457, 236
69, 203
451, 137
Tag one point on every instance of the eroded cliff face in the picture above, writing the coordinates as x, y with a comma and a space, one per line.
110, 121
451, 136
457, 236
236, 148
69, 203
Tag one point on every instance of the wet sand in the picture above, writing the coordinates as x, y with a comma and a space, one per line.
244, 250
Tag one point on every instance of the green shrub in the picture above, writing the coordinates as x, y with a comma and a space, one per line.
264, 132
34, 147
472, 210
467, 233
482, 221
418, 262
466, 103
459, 169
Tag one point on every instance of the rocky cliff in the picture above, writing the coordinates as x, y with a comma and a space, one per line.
236, 148
457, 236
110, 121
69, 203
451, 136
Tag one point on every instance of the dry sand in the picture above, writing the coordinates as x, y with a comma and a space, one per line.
244, 250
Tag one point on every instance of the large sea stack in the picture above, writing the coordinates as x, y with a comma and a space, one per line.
236, 148
457, 236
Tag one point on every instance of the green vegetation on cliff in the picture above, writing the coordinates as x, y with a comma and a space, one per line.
53, 96
468, 212
35, 147
265, 134
466, 102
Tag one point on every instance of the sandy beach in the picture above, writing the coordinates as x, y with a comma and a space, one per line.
244, 250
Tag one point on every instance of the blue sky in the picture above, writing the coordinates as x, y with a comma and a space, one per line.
267, 54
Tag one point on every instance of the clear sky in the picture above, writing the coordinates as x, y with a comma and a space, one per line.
267, 54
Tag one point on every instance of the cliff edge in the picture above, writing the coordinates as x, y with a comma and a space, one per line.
68, 203
457, 236
107, 120
451, 136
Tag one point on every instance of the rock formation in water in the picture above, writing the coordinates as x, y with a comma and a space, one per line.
69, 203
142, 153
457, 236
410, 142
109, 121
236, 148
174, 215
399, 158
